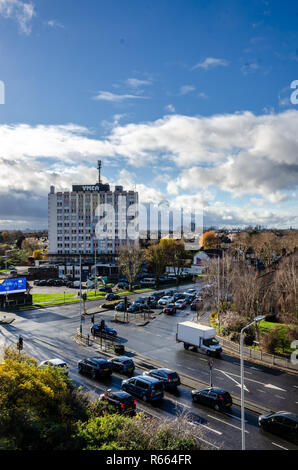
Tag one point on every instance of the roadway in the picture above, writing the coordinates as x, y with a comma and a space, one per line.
49, 333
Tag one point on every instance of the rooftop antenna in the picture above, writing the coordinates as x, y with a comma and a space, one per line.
99, 168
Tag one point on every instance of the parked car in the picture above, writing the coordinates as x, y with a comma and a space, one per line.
147, 388
213, 397
165, 300
106, 332
122, 285
135, 308
178, 296
189, 298
152, 302
180, 303
169, 378
123, 401
171, 292
55, 363
169, 309
95, 367
191, 291
112, 296
141, 300
158, 295
121, 306
123, 364
40, 282
105, 289
282, 423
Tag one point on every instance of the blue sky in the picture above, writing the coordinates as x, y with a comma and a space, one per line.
188, 100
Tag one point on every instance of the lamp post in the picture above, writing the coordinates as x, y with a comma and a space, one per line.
81, 295
256, 320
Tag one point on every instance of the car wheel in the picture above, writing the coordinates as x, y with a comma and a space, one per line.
80, 370
93, 374
216, 407
144, 398
186, 346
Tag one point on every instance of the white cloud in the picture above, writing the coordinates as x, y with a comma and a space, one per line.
136, 83
211, 62
185, 89
170, 108
240, 153
20, 11
54, 24
115, 98
202, 95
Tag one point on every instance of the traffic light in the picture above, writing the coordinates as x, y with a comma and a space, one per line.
125, 303
84, 296
102, 325
20, 343
92, 319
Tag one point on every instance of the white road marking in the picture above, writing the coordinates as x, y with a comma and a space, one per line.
262, 391
282, 398
233, 416
237, 383
277, 445
196, 423
274, 387
229, 424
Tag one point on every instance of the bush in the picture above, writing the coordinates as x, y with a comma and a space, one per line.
270, 341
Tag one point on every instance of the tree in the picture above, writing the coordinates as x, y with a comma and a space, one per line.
209, 240
157, 258
130, 259
286, 288
38, 406
174, 253
37, 254
266, 246
30, 244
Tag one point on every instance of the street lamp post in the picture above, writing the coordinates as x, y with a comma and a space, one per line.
81, 326
256, 320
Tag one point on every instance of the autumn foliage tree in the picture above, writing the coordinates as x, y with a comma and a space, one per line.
209, 240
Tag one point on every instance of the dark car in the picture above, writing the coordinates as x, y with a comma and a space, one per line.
158, 295
95, 367
169, 378
169, 309
112, 296
106, 332
147, 388
121, 306
152, 302
105, 289
282, 423
171, 292
135, 308
214, 397
123, 364
42, 282
179, 296
189, 298
123, 285
123, 401
141, 300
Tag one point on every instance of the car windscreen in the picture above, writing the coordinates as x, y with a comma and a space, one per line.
210, 342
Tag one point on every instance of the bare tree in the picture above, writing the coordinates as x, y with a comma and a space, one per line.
286, 288
131, 258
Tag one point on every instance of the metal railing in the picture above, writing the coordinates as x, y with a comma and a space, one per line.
258, 355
